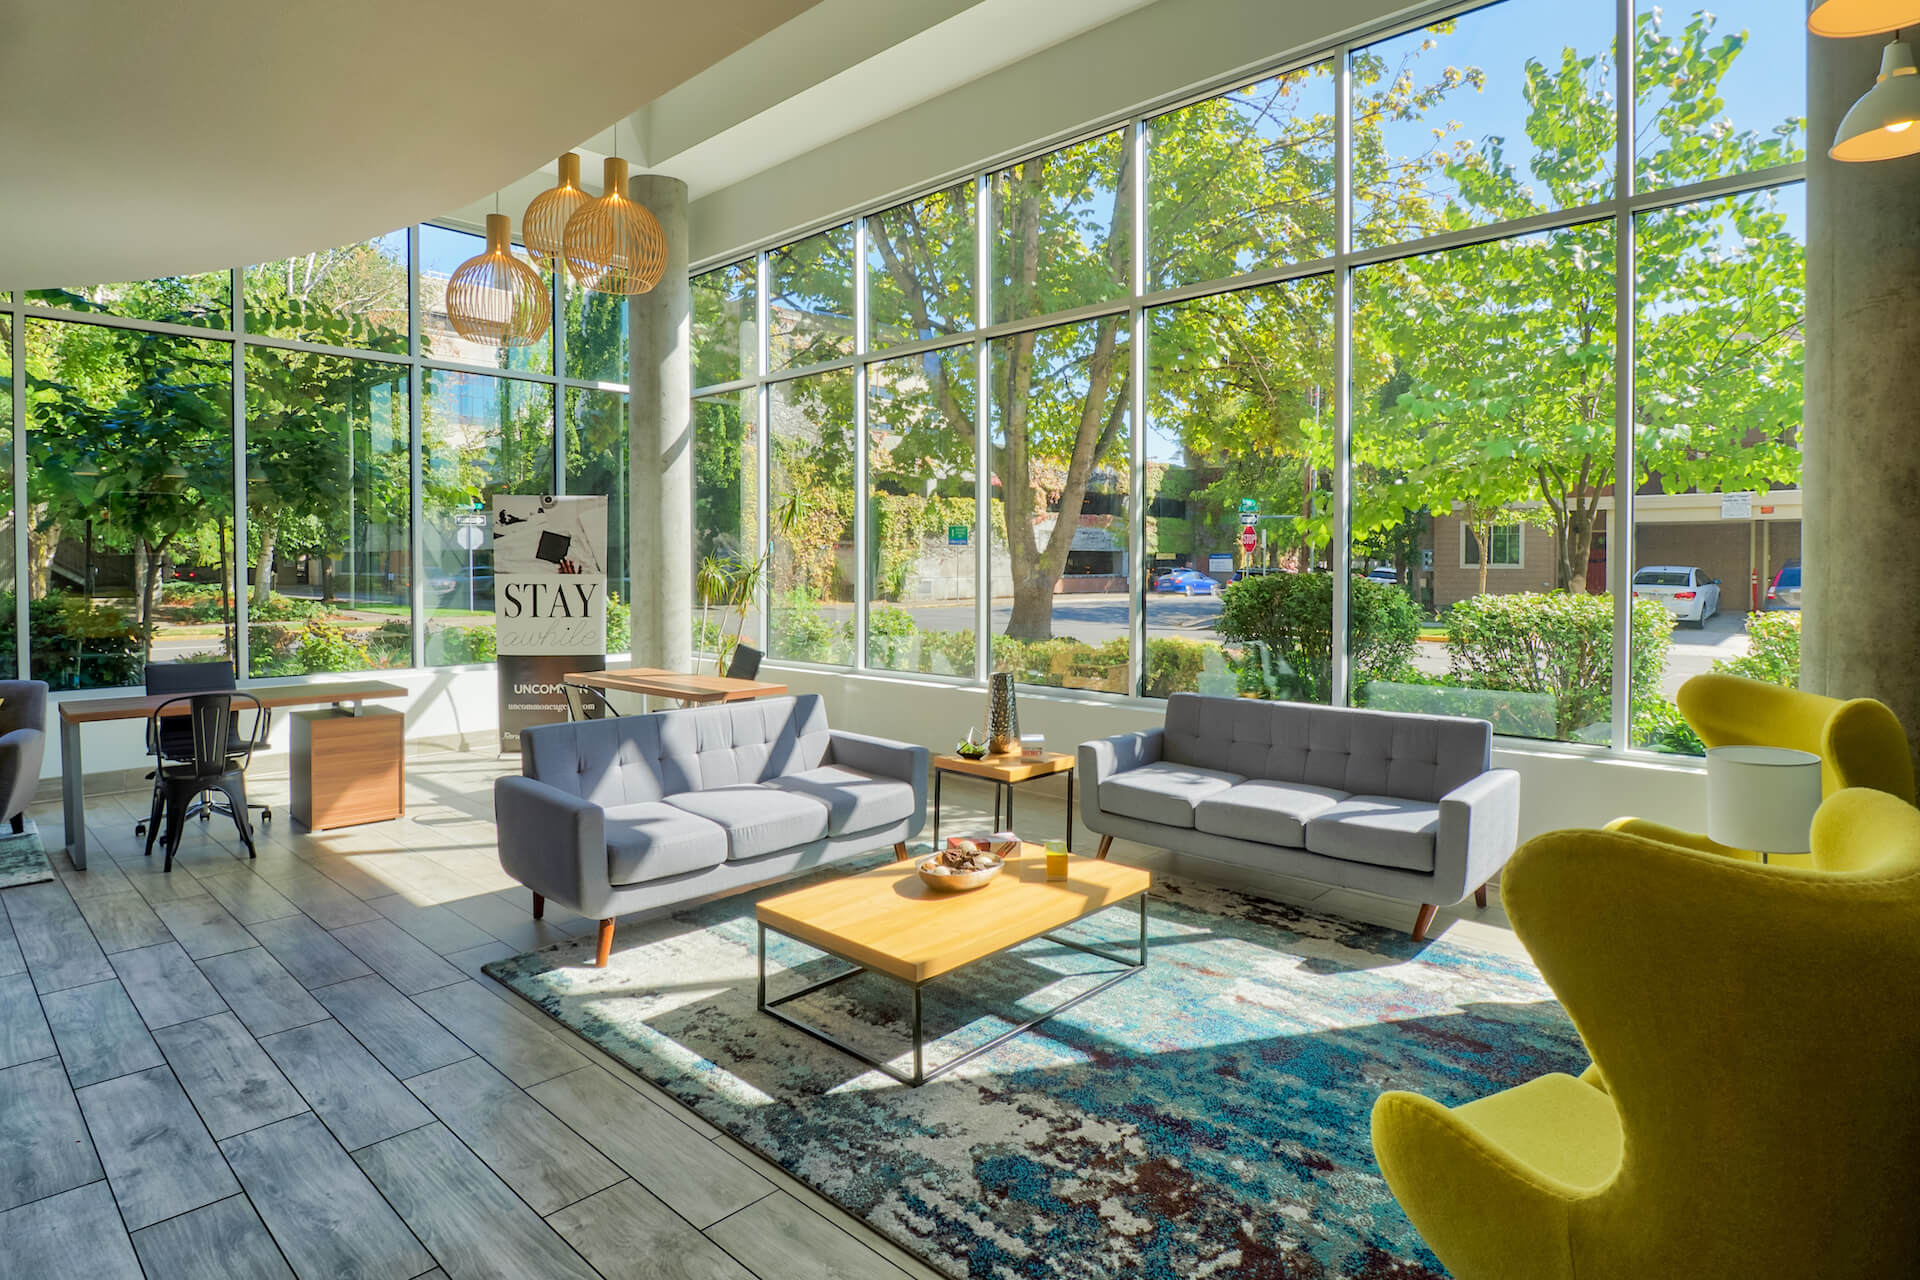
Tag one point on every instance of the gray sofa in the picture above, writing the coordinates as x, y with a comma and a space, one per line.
628, 814
23, 743
1395, 804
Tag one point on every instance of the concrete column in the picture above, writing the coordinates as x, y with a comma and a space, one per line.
1860, 634
660, 425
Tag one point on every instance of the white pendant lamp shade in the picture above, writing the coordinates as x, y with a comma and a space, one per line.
543, 227
1885, 123
495, 298
1842, 19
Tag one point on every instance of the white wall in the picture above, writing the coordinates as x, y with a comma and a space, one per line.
1559, 788
1146, 55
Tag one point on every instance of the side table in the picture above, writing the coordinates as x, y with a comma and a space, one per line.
1005, 772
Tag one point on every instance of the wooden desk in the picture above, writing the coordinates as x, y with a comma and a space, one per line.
81, 711
654, 682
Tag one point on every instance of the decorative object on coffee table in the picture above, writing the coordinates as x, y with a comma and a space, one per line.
1003, 716
1005, 772
962, 865
1056, 859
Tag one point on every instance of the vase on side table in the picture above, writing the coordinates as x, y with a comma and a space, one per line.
1003, 716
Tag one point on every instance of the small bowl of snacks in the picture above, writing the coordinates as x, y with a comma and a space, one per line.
962, 865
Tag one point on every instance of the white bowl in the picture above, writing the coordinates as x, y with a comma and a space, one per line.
958, 881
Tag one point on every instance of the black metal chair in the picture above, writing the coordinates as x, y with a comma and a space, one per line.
217, 761
586, 703
744, 664
176, 736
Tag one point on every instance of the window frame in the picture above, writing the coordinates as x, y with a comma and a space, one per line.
1518, 530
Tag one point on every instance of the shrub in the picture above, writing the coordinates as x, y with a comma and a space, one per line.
1773, 650
1287, 621
279, 608
320, 646
188, 592
1515, 714
803, 635
459, 646
74, 644
1174, 666
619, 624
1557, 644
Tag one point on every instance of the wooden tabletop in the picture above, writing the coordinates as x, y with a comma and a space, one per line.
271, 696
657, 683
889, 920
1011, 767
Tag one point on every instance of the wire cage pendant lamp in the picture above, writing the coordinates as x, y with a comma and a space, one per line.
496, 298
543, 227
613, 244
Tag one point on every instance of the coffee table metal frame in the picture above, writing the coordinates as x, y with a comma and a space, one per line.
920, 1075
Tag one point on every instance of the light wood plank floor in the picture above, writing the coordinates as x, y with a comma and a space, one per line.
297, 1062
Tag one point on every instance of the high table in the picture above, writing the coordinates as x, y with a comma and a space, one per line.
77, 712
657, 682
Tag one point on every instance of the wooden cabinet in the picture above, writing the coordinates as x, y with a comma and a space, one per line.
348, 768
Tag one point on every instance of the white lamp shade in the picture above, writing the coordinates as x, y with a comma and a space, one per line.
1885, 123
1843, 19
1762, 798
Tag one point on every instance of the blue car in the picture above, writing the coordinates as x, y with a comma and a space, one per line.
1190, 582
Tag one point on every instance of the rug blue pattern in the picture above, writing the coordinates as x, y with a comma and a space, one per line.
23, 860
1207, 1117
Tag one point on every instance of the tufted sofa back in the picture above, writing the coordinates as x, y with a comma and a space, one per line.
1380, 753
634, 759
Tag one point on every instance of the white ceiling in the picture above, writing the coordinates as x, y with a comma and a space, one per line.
150, 139
838, 68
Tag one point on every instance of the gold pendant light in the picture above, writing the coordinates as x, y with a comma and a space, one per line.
496, 298
543, 227
1840, 19
612, 244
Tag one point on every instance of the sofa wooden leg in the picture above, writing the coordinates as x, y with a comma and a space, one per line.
899, 850
1480, 897
539, 906
1106, 843
1421, 921
606, 943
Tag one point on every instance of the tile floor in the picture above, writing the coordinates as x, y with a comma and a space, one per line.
294, 1066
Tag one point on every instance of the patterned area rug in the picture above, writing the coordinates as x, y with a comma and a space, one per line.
1209, 1116
22, 860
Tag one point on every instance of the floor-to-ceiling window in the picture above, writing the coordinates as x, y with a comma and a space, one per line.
286, 465
1384, 377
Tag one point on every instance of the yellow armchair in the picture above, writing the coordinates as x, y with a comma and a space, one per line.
1754, 1028
1859, 741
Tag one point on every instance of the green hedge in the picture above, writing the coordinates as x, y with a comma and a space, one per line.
1286, 622
1559, 645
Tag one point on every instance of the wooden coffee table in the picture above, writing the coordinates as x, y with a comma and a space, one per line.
889, 922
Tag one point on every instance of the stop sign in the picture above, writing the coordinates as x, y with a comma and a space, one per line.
1248, 540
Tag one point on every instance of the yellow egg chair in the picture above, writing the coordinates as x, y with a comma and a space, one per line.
1753, 1112
1859, 741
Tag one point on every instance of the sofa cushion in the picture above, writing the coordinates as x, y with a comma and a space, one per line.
855, 801
1269, 812
1163, 792
653, 841
1378, 830
758, 820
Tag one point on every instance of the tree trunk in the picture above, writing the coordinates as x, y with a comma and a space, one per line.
1576, 547
263, 570
1032, 605
40, 552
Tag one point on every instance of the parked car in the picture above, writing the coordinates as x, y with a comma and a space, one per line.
1384, 573
1784, 591
1189, 582
448, 588
1687, 592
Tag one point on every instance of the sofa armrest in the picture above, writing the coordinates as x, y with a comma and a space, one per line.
1104, 757
1479, 828
553, 842
21, 752
885, 758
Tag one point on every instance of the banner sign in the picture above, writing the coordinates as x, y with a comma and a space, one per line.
549, 603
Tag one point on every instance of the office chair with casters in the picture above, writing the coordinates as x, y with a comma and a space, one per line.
176, 735
744, 664
587, 703
217, 762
